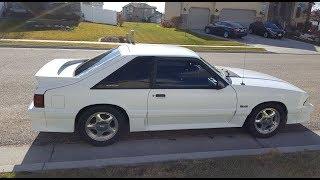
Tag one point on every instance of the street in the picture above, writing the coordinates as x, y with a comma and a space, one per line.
18, 66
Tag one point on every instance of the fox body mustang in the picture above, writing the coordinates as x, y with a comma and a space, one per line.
159, 87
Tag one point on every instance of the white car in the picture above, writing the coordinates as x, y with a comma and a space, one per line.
157, 87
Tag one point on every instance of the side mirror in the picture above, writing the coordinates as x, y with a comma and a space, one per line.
216, 84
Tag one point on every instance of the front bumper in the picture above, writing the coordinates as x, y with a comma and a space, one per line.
38, 119
302, 115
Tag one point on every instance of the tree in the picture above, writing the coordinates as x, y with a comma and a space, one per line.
315, 15
36, 8
308, 11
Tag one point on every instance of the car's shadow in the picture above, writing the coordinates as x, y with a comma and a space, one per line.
45, 138
58, 147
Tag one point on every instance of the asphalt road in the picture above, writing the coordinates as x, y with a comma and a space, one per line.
17, 83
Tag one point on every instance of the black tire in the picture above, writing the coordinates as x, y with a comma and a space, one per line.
249, 125
250, 31
123, 127
266, 34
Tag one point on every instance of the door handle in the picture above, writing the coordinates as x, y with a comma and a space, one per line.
159, 95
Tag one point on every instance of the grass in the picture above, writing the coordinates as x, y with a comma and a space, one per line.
273, 164
85, 31
102, 46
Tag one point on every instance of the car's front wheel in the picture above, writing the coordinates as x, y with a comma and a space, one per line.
207, 30
266, 35
250, 31
266, 120
101, 125
226, 34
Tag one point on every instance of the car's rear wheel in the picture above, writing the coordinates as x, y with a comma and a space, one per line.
250, 31
207, 30
266, 120
266, 35
226, 34
101, 125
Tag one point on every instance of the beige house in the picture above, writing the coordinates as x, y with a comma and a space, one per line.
195, 15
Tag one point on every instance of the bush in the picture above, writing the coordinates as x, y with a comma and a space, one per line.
166, 23
176, 21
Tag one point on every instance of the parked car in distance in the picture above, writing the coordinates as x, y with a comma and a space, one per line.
267, 29
159, 87
226, 29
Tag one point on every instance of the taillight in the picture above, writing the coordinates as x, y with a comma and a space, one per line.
38, 100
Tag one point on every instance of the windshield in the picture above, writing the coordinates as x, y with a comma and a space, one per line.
271, 25
221, 73
236, 25
97, 61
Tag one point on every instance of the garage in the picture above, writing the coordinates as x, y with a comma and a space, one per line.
198, 18
243, 16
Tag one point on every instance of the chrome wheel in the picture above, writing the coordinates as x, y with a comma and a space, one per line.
207, 30
226, 34
101, 126
267, 120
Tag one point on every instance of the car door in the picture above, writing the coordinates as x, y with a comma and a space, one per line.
185, 95
127, 87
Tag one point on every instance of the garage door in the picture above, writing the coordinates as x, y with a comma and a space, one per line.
245, 17
198, 18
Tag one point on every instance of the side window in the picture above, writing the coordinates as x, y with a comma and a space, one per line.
177, 73
133, 75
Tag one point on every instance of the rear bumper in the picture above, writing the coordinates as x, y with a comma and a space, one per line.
302, 115
38, 119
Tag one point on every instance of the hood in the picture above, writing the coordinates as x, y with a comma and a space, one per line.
58, 72
237, 72
254, 78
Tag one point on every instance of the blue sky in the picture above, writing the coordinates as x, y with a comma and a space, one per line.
117, 6
316, 6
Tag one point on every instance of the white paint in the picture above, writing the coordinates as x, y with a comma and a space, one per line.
98, 14
181, 109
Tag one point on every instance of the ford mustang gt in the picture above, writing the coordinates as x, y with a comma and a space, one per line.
159, 87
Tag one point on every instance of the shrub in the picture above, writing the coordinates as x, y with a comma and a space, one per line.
119, 39
176, 21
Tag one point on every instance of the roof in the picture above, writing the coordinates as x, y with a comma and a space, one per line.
156, 50
140, 5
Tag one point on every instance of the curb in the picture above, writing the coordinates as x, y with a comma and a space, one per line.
149, 159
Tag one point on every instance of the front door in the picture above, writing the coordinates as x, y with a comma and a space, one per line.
185, 96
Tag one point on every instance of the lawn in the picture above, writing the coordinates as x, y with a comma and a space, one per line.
274, 164
85, 31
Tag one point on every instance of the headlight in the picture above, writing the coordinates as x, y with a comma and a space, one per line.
306, 101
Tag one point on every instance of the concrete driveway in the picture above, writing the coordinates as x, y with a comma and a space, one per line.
283, 45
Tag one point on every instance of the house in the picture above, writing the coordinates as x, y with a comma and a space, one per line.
138, 12
156, 17
94, 12
195, 15
17, 9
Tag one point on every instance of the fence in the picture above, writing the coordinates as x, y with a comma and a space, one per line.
99, 15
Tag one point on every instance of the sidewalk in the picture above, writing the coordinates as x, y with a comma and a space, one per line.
125, 152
